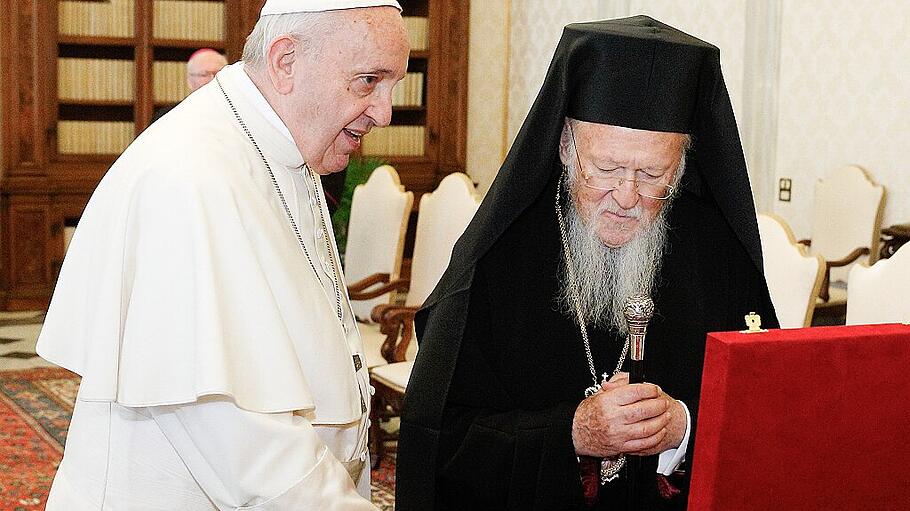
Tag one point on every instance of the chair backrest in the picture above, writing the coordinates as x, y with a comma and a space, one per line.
794, 277
880, 293
443, 217
379, 218
847, 215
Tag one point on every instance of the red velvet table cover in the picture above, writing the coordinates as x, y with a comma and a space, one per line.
804, 419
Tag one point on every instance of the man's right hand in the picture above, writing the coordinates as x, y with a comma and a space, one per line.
621, 418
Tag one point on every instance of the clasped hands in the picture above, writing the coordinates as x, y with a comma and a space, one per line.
622, 418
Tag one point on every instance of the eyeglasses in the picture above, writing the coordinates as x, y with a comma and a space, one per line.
609, 180
204, 74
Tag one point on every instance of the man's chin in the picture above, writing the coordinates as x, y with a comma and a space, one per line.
331, 165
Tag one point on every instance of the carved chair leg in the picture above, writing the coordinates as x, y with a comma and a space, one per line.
376, 444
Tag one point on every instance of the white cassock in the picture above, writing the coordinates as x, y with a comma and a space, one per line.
215, 371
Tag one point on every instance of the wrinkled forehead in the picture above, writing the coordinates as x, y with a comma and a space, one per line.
601, 134
377, 39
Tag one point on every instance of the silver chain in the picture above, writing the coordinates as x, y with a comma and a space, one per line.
579, 317
325, 232
609, 469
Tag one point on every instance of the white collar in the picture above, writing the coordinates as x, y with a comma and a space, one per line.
255, 98
270, 132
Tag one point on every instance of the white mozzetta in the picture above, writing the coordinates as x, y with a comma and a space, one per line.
184, 278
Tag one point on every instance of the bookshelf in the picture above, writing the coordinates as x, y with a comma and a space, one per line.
80, 86
83, 78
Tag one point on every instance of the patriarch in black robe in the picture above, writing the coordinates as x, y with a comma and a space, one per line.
496, 415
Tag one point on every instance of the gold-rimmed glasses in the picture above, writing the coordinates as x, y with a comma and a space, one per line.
609, 180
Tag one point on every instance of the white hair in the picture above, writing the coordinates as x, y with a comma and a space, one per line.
302, 26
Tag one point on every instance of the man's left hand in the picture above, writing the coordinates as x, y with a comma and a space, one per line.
676, 426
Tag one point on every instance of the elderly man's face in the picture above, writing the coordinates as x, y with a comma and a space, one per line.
202, 67
651, 156
346, 88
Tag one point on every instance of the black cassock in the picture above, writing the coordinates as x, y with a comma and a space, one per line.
489, 407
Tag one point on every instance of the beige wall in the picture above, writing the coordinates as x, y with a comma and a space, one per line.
536, 28
488, 75
844, 99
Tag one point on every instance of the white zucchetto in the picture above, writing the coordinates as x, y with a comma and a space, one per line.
292, 6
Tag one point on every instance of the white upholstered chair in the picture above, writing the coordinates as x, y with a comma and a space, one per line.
880, 293
380, 209
443, 217
794, 277
846, 225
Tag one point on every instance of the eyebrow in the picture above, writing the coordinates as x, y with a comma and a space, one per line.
380, 71
617, 165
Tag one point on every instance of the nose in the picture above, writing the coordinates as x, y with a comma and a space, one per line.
626, 194
381, 109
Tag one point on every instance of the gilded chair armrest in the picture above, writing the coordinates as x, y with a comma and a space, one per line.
826, 281
376, 285
852, 256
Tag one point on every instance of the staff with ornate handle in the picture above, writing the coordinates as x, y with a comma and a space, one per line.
638, 312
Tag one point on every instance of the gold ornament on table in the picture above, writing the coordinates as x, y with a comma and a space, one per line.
753, 324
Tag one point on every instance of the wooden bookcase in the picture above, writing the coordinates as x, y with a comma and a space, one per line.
44, 186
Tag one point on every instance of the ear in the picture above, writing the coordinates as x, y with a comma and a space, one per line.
280, 61
565, 138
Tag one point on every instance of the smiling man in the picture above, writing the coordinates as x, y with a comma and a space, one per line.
202, 300
627, 177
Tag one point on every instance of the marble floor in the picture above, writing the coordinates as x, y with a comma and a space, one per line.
18, 335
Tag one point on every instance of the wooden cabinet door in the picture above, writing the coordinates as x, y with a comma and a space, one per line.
32, 249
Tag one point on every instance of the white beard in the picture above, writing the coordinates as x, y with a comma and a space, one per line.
607, 277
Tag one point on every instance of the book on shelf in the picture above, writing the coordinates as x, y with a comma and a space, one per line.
188, 19
93, 137
169, 81
95, 79
417, 32
111, 18
409, 91
394, 141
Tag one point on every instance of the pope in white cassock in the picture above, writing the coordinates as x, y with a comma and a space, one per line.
201, 300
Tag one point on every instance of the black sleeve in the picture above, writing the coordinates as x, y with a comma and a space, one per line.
493, 456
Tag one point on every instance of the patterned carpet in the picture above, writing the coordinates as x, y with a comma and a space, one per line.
35, 410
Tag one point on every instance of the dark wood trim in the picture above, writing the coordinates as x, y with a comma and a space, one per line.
6, 93
41, 190
144, 57
189, 44
87, 40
